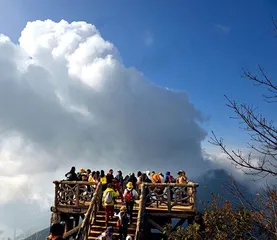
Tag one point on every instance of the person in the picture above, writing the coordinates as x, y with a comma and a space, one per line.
88, 172
133, 179
152, 174
118, 184
92, 177
119, 178
157, 179
110, 176
182, 178
107, 235
145, 179
71, 175
139, 182
81, 174
161, 177
57, 231
108, 202
123, 223
169, 178
103, 180
130, 195
148, 174
97, 176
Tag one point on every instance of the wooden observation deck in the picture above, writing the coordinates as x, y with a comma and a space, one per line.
158, 205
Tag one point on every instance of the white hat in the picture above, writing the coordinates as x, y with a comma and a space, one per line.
128, 238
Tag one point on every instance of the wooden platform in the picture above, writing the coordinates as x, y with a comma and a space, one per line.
159, 203
83, 206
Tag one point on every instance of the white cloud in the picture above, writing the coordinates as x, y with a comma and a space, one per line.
222, 28
66, 99
148, 39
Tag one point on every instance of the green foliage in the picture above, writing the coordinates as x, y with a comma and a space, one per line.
221, 220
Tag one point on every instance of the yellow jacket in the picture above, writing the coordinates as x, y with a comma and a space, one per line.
114, 194
103, 180
91, 179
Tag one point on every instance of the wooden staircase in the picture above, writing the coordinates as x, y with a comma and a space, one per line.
99, 226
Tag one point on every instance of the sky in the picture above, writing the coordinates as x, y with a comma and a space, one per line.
189, 45
128, 83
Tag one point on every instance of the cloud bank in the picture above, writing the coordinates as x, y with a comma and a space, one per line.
66, 99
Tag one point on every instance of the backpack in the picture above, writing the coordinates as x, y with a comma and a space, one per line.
129, 196
170, 179
79, 176
108, 198
69, 176
156, 178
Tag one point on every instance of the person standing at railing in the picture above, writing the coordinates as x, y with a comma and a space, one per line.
108, 202
182, 179
81, 174
156, 178
169, 179
71, 175
130, 195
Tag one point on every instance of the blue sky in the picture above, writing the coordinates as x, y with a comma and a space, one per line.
195, 46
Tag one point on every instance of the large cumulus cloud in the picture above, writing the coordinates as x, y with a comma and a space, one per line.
67, 99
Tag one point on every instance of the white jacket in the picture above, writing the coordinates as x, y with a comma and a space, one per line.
134, 193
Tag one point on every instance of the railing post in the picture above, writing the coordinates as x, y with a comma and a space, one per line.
56, 194
194, 198
139, 228
77, 193
168, 197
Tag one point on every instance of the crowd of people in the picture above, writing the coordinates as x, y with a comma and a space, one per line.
127, 189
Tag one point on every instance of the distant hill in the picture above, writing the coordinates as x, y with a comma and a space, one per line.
41, 235
212, 181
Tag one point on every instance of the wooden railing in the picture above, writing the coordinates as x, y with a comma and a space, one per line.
141, 212
73, 192
90, 216
171, 195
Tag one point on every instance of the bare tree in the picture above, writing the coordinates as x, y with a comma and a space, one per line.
262, 132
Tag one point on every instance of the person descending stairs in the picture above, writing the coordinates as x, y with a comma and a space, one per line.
100, 224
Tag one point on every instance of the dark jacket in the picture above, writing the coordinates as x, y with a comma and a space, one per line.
109, 178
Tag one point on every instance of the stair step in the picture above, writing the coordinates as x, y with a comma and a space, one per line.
103, 228
98, 217
103, 222
103, 211
96, 234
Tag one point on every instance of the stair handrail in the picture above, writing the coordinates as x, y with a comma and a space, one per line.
141, 211
90, 216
